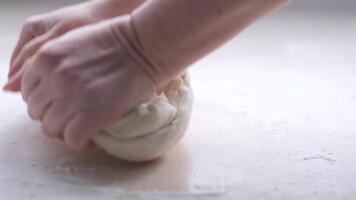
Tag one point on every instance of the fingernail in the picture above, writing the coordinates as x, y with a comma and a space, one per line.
6, 88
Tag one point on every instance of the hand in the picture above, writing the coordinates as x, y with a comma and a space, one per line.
40, 29
85, 80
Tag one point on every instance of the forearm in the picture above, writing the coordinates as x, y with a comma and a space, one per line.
176, 33
113, 8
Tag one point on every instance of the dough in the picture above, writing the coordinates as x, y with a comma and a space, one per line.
152, 128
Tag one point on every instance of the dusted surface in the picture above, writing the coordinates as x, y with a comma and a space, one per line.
273, 118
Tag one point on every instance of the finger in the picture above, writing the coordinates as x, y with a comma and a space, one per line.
28, 50
31, 48
39, 101
31, 79
14, 84
25, 36
80, 129
56, 118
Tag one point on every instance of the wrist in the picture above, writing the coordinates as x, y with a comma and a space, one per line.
124, 32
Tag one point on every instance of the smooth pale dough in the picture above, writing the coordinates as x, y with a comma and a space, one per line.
152, 128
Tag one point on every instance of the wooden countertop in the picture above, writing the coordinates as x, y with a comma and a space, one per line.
274, 118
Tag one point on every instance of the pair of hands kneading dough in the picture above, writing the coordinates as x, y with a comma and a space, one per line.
152, 128
160, 39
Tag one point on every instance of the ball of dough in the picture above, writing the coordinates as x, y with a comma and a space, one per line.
153, 127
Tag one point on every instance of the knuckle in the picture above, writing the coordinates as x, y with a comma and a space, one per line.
29, 47
48, 51
72, 140
64, 26
63, 74
32, 23
49, 58
32, 113
47, 130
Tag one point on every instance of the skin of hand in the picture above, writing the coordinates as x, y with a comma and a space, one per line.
177, 33
88, 78
38, 30
85, 80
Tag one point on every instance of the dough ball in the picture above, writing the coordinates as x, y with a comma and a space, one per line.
153, 127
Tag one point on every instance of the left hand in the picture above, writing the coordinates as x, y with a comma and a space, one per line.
83, 81
39, 29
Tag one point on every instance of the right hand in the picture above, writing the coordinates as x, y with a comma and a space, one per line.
41, 28
86, 80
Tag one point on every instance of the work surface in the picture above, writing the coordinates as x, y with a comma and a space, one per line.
273, 119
